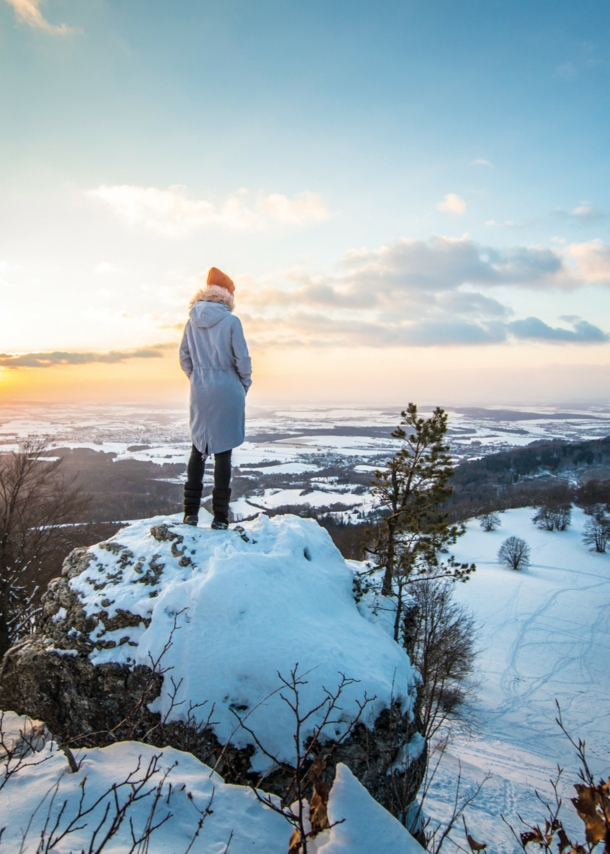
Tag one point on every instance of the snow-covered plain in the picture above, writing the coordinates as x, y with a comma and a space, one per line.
351, 431
234, 819
315, 498
285, 449
544, 636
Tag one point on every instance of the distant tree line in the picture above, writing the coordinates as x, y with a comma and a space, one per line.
527, 477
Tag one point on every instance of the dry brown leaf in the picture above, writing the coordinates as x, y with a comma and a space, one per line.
534, 835
564, 842
587, 803
474, 845
317, 767
294, 846
318, 807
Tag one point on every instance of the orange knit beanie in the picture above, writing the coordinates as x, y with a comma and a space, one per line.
217, 277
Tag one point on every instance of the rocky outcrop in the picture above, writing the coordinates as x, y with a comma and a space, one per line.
129, 648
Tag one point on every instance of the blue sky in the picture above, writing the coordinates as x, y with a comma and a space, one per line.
377, 177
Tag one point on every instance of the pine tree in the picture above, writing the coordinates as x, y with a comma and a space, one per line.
412, 489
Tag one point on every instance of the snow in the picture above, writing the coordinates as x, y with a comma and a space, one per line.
37, 793
245, 609
346, 444
544, 636
367, 827
409, 753
242, 509
283, 468
194, 786
315, 498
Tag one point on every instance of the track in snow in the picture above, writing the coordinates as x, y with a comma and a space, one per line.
544, 635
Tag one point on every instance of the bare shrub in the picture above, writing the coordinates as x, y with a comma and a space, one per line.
310, 758
22, 748
553, 518
597, 530
101, 813
593, 494
555, 513
36, 502
514, 553
490, 521
443, 650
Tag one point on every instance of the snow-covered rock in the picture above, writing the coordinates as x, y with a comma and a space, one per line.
221, 614
361, 825
41, 800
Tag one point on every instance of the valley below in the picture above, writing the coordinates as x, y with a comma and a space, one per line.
543, 633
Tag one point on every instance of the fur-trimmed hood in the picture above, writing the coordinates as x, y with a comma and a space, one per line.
214, 293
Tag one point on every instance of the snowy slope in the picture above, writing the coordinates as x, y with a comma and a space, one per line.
235, 820
245, 609
545, 635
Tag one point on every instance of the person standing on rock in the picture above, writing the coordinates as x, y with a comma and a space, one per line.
214, 356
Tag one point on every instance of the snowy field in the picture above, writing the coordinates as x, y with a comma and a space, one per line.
285, 451
294, 436
544, 636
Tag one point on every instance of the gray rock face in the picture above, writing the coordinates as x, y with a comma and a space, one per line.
51, 677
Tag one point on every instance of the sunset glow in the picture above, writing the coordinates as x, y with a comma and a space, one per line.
402, 212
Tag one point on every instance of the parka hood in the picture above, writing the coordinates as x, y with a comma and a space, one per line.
206, 314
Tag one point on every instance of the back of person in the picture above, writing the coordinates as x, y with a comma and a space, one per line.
209, 335
214, 355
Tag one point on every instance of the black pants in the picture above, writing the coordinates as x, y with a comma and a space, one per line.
196, 468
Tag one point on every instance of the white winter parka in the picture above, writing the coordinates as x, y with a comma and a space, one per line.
214, 355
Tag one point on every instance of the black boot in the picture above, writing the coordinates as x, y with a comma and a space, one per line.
220, 508
192, 503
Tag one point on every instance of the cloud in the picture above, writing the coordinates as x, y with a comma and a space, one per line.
313, 329
582, 214
420, 279
481, 162
422, 293
452, 204
469, 303
587, 213
592, 261
451, 333
446, 263
105, 268
171, 212
531, 328
57, 357
302, 208
28, 11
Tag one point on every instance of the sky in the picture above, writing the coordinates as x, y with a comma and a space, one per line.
412, 197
